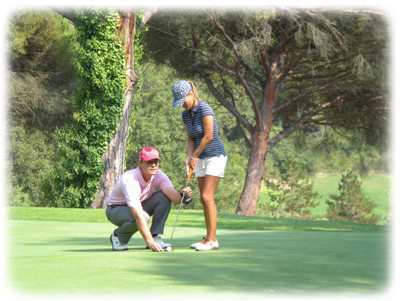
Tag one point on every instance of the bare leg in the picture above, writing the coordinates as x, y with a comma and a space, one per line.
200, 181
208, 186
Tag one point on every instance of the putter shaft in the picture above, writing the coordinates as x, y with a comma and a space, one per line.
180, 204
176, 220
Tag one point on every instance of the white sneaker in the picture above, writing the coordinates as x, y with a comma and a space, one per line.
207, 246
193, 246
116, 244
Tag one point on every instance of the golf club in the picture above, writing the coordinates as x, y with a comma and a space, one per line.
180, 205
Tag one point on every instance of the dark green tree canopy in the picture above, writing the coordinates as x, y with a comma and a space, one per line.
330, 66
41, 52
287, 67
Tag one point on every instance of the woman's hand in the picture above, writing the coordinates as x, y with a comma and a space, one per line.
193, 162
190, 164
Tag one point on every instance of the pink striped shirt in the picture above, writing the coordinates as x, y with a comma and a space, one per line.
131, 189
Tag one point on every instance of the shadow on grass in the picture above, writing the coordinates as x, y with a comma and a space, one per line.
233, 221
101, 241
250, 261
289, 262
262, 261
98, 250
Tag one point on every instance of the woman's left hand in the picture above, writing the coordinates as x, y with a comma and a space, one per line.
193, 162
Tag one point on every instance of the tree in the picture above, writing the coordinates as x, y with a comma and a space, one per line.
41, 82
93, 146
42, 79
350, 204
289, 67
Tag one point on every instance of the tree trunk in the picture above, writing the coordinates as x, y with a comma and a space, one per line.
254, 174
115, 153
259, 148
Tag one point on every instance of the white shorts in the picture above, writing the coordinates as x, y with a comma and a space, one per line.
211, 166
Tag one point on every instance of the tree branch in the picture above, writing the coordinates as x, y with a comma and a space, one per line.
306, 118
237, 71
240, 118
307, 93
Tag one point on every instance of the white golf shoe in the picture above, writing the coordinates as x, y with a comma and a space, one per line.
193, 246
116, 244
207, 246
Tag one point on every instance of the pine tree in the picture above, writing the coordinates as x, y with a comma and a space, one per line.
351, 204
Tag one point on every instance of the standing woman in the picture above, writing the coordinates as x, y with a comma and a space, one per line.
205, 154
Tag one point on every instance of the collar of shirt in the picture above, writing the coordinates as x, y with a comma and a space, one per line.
142, 182
195, 109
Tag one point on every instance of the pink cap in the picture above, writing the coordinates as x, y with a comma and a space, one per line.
149, 153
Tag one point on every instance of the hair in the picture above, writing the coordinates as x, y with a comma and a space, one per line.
194, 90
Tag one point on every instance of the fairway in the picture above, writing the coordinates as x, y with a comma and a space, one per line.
375, 188
76, 257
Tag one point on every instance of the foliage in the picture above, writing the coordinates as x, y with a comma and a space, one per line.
16, 196
292, 194
41, 49
98, 103
291, 150
325, 150
291, 68
42, 77
31, 157
324, 55
351, 204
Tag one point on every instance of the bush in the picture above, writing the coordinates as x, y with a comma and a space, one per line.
292, 194
17, 197
30, 159
351, 204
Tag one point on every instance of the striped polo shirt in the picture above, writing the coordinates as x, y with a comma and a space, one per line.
195, 128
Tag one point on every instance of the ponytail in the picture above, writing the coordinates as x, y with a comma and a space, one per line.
194, 90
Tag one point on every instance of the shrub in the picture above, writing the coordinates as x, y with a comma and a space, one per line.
30, 157
350, 204
292, 194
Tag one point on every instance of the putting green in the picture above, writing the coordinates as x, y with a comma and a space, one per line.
76, 257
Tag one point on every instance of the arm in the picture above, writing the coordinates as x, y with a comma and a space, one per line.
174, 195
144, 229
208, 123
189, 149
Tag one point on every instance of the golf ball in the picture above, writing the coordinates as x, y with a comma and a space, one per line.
168, 249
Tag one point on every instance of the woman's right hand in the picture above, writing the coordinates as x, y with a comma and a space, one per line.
187, 165
189, 169
193, 162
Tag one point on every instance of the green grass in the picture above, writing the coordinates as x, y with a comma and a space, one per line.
67, 251
194, 218
376, 188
